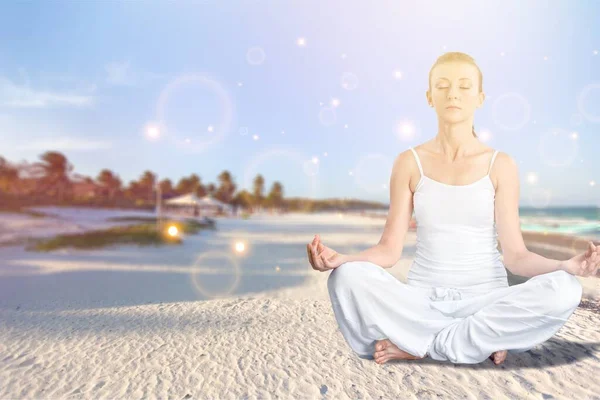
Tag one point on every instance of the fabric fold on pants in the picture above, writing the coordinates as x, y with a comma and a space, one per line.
448, 323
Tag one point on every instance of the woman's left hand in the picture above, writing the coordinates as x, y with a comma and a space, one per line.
584, 264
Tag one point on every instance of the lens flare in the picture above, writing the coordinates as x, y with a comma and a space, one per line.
152, 131
240, 247
173, 231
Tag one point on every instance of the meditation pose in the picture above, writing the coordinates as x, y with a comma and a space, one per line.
456, 304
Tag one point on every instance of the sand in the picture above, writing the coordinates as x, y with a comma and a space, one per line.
280, 343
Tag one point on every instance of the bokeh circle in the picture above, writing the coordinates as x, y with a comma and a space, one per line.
255, 56
217, 267
349, 81
218, 130
327, 116
582, 102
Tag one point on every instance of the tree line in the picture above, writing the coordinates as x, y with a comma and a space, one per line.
52, 180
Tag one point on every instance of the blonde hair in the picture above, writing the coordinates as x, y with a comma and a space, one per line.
457, 56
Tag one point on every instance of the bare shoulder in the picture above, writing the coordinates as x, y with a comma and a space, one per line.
505, 158
404, 165
505, 170
424, 147
404, 158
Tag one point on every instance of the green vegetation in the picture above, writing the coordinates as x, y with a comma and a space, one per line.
133, 219
190, 225
145, 234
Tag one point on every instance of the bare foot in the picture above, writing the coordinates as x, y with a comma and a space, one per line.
498, 357
385, 350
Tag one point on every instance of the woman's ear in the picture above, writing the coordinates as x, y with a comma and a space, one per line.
481, 98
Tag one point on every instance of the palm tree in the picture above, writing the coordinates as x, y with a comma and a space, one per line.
166, 187
259, 187
190, 184
110, 181
146, 184
55, 170
226, 188
200, 189
210, 189
9, 175
275, 197
243, 199
132, 191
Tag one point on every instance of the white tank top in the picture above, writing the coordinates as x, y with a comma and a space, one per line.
456, 235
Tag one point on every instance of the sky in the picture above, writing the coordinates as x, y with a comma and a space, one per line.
320, 96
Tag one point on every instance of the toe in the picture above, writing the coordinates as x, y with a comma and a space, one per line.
381, 345
499, 357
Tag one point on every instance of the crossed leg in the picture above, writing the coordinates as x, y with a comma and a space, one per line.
515, 319
371, 305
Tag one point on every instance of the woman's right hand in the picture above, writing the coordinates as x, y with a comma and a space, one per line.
321, 257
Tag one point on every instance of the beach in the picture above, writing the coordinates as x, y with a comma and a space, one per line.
134, 322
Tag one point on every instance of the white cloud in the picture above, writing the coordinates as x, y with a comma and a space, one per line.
64, 143
123, 74
25, 137
14, 95
78, 84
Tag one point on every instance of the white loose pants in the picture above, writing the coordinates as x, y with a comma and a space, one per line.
445, 323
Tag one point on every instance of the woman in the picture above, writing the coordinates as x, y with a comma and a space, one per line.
457, 304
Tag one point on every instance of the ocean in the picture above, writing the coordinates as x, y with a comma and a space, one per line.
580, 221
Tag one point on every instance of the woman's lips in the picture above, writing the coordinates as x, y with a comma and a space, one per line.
453, 107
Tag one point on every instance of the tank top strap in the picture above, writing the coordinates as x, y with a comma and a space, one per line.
418, 161
492, 162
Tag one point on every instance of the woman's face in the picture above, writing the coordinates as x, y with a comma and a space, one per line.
455, 84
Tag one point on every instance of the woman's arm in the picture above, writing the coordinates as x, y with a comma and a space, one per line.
517, 258
531, 264
388, 251
378, 254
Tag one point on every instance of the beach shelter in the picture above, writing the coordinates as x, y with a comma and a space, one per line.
212, 205
189, 199
186, 204
194, 205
